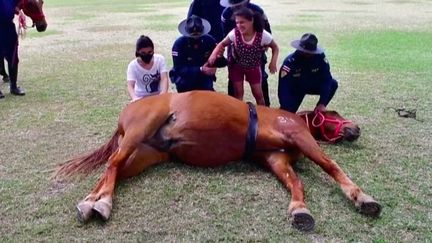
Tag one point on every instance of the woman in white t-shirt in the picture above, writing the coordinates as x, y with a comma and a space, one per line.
147, 74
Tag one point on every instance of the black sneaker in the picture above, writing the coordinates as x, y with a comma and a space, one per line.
1, 95
17, 91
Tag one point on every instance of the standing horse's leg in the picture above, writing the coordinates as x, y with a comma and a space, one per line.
365, 203
281, 165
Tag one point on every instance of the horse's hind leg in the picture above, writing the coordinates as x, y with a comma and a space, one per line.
365, 203
142, 158
280, 164
100, 199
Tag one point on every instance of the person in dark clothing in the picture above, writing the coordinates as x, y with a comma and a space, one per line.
228, 23
211, 10
9, 44
306, 71
190, 53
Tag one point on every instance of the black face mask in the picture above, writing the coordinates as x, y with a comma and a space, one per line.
146, 58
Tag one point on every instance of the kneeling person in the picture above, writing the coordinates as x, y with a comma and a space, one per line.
190, 53
147, 74
306, 71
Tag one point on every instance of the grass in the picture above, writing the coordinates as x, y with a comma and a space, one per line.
74, 77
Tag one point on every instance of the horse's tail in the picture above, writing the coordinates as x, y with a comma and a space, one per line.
88, 163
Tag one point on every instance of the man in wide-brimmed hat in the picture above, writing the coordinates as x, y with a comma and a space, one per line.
306, 71
228, 23
190, 53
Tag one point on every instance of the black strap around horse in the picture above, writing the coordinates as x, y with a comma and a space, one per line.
252, 132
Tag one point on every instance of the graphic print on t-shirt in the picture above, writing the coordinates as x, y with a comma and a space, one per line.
151, 82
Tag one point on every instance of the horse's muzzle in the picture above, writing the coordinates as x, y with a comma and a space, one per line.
351, 133
41, 25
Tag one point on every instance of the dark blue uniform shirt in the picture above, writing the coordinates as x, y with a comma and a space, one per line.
189, 55
300, 75
210, 10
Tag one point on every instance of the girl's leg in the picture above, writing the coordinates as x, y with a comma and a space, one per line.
258, 93
236, 75
238, 90
254, 77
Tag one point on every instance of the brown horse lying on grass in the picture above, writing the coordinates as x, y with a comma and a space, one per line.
208, 129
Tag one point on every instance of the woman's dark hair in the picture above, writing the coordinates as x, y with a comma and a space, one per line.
143, 42
250, 15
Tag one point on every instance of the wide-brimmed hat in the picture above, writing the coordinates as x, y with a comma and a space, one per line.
194, 26
231, 3
308, 44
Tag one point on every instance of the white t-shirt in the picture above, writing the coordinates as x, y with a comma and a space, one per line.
147, 80
265, 40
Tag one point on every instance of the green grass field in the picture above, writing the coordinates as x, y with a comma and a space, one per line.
74, 76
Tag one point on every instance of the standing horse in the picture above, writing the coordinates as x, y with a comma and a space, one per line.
208, 129
9, 36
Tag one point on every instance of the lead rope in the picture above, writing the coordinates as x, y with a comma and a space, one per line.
22, 24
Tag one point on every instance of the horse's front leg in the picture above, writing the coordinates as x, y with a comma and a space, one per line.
280, 164
365, 203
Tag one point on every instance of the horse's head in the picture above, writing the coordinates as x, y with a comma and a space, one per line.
33, 9
330, 126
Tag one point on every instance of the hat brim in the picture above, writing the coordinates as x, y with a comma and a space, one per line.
182, 28
296, 45
227, 4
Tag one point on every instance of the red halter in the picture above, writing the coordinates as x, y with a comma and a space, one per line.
319, 120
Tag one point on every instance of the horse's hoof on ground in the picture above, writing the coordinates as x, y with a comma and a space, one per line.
371, 208
303, 220
84, 211
102, 209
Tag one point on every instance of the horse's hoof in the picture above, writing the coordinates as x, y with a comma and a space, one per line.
102, 209
303, 220
371, 208
84, 211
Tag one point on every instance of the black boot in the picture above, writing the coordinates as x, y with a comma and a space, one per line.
17, 91
1, 95
13, 75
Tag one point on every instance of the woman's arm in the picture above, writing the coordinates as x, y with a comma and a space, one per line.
163, 86
131, 89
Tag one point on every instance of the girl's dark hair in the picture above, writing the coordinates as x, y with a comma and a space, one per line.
250, 15
143, 42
